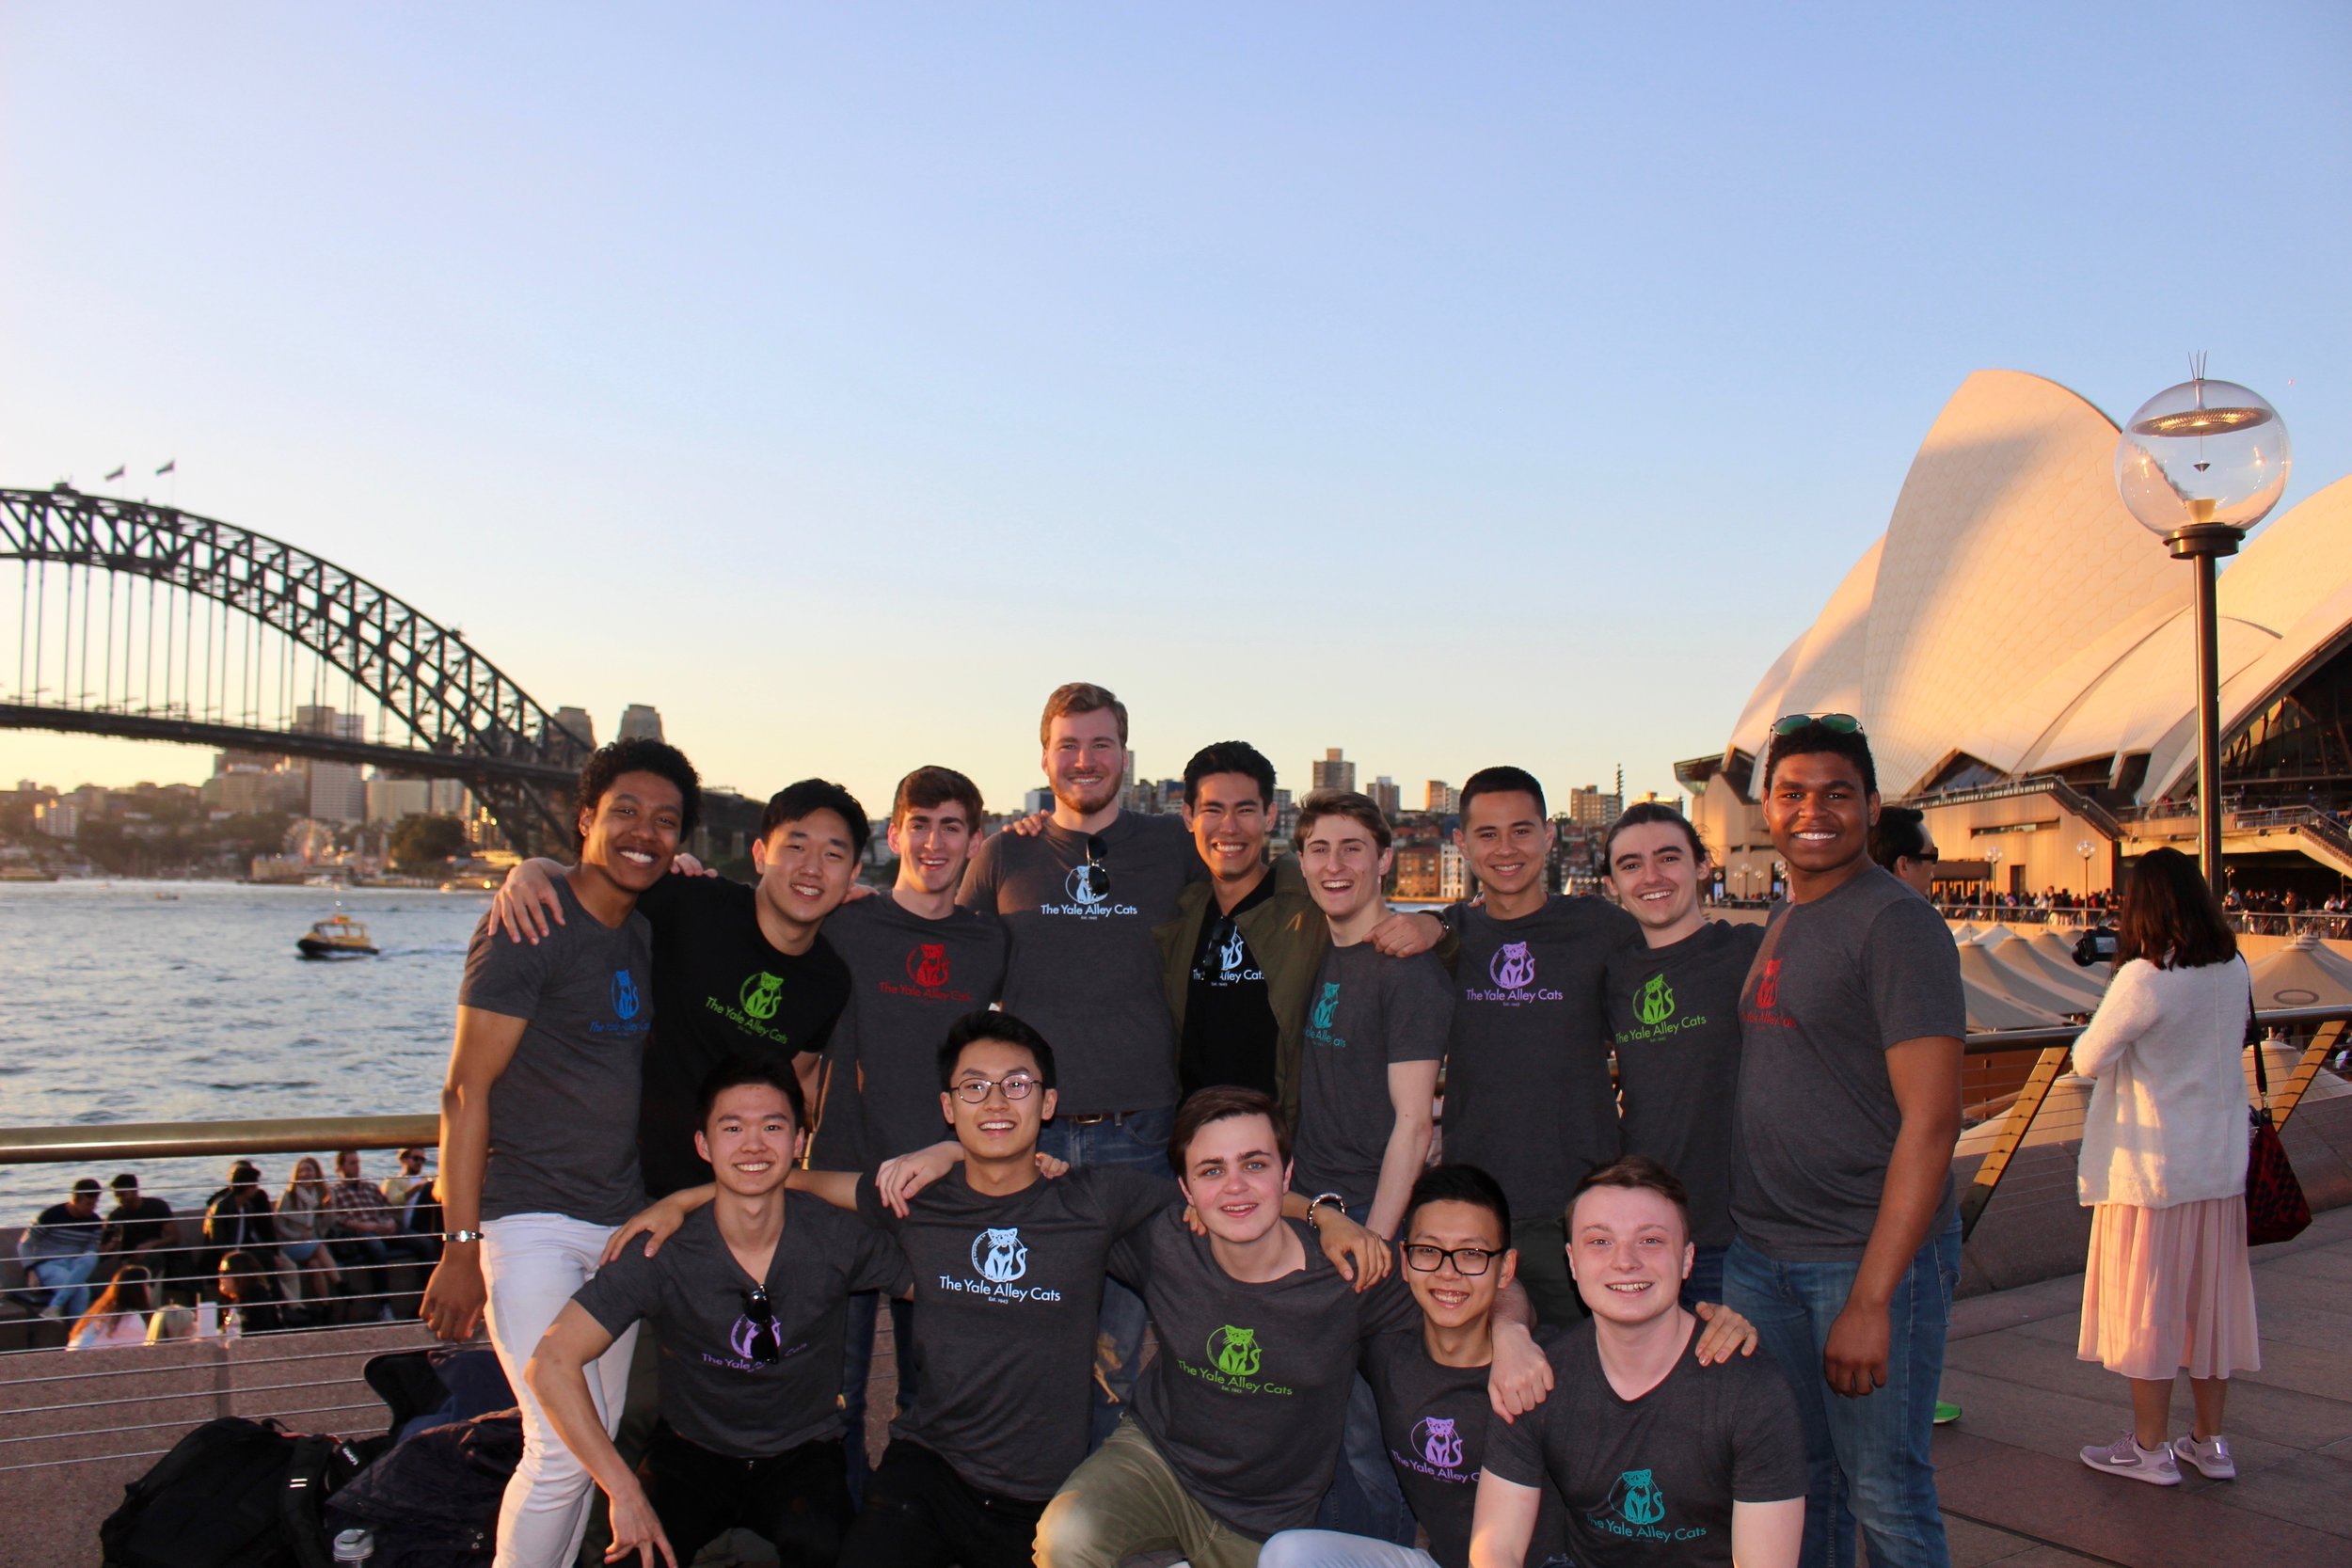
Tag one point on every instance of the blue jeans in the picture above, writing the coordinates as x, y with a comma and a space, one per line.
1867, 1458
1137, 1139
857, 1364
66, 1280
1707, 1276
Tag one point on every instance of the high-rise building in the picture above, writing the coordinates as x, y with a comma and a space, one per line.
576, 721
1454, 878
640, 722
339, 792
1334, 772
1589, 807
1442, 798
1386, 796
1036, 801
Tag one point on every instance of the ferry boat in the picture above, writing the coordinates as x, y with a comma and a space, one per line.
336, 937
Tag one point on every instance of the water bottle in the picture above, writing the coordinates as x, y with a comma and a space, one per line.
355, 1546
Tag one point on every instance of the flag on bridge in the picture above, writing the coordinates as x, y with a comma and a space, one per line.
120, 469
167, 467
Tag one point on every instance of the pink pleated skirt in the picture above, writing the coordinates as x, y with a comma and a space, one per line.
2169, 1290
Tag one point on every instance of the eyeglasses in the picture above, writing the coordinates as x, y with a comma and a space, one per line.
1098, 868
1468, 1261
763, 1317
1017, 1086
1836, 723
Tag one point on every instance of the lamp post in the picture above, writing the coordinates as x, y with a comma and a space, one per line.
1992, 875
1780, 878
2199, 464
2082, 849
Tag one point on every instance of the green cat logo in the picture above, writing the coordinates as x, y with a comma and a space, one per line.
1327, 1006
1655, 1005
1235, 1351
762, 994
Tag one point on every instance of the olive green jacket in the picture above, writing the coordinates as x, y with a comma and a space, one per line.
1289, 937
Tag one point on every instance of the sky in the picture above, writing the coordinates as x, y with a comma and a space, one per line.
1453, 385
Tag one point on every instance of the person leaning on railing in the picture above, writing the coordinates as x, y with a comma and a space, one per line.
2169, 1287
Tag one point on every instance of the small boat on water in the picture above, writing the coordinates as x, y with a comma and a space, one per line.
336, 937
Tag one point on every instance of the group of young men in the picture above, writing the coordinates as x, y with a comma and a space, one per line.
1106, 1069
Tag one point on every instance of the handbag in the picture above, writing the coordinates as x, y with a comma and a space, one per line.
2275, 1209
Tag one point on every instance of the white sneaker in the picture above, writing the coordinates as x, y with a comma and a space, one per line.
2125, 1457
2211, 1457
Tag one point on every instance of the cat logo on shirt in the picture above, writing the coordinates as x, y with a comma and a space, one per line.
1768, 986
927, 964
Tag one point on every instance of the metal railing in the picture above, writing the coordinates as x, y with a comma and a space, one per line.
2051, 784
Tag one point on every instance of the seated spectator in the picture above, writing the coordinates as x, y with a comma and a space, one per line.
118, 1316
238, 1218
417, 1219
359, 1224
249, 1302
138, 1224
397, 1188
59, 1251
309, 1267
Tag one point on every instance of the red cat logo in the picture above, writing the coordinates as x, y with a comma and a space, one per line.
926, 965
1768, 985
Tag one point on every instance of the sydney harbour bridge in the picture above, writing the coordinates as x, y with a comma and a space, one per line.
153, 624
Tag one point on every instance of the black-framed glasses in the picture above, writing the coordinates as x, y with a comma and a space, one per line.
763, 1319
1468, 1261
1017, 1086
1836, 723
1098, 867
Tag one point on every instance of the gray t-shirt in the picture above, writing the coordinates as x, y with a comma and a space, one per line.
1248, 1395
714, 1393
1367, 1010
1434, 1422
1839, 980
564, 1114
910, 978
1006, 1294
1675, 1011
1085, 968
1649, 1482
1527, 1089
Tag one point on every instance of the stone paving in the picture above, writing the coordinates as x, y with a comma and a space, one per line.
2015, 1493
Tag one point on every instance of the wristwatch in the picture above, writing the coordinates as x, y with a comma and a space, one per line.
454, 1236
1320, 1200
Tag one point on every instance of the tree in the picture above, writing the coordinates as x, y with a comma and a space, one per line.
427, 840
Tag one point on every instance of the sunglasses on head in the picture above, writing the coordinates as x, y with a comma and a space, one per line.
1836, 723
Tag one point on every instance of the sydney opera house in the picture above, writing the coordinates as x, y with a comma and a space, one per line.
2021, 652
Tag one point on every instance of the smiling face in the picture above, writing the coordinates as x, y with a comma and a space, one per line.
1234, 1177
751, 1139
1630, 1249
1228, 819
999, 1126
932, 844
1654, 874
1344, 866
805, 866
1085, 760
307, 1170
1505, 839
1448, 1297
633, 832
1817, 812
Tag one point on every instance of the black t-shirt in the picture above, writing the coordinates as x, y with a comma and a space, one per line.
1433, 1421
1675, 1011
1006, 1290
1248, 1395
1527, 1089
135, 1228
1229, 1032
715, 1392
1650, 1481
720, 990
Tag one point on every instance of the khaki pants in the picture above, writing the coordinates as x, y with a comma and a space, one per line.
1125, 1499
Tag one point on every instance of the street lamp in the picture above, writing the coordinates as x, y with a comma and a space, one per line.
1780, 873
2199, 464
1991, 878
2082, 849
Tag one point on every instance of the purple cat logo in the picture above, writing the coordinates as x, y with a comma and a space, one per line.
1440, 1443
1513, 966
745, 1335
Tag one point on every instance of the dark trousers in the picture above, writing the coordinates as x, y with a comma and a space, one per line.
798, 1500
919, 1514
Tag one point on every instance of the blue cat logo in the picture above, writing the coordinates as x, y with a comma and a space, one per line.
1327, 1006
624, 995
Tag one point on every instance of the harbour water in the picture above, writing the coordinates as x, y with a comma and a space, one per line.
120, 1006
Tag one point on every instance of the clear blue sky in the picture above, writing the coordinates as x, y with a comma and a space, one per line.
1454, 384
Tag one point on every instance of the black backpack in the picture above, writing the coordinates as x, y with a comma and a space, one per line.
232, 1494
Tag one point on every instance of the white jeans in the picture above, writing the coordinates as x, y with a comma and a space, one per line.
1325, 1549
532, 1263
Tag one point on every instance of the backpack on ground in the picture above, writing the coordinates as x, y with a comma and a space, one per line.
232, 1494
432, 1500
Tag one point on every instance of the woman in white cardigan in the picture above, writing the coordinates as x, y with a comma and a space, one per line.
2168, 1287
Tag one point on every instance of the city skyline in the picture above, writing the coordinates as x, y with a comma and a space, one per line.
1506, 388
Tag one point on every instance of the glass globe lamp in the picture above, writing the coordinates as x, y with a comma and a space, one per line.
2202, 454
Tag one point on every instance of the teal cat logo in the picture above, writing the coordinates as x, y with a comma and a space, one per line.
1327, 1006
1637, 1499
